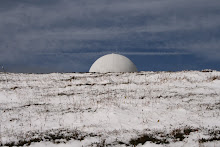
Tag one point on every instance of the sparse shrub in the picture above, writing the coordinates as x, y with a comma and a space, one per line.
55, 136
207, 70
9, 144
13, 88
147, 137
214, 136
209, 139
178, 134
215, 78
188, 130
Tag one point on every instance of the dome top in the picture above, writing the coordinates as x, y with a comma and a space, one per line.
113, 63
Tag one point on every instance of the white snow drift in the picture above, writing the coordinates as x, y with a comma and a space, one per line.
112, 109
113, 63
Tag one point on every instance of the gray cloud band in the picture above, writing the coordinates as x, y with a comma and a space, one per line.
188, 25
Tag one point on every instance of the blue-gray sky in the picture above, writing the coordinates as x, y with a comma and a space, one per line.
69, 35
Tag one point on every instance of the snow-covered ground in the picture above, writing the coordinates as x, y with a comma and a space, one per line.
113, 109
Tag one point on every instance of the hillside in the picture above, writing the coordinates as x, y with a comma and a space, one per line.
113, 109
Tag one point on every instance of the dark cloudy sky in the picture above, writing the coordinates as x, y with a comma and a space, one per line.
69, 35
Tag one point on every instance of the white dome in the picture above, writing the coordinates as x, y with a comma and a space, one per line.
113, 63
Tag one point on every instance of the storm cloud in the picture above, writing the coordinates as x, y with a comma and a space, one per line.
67, 35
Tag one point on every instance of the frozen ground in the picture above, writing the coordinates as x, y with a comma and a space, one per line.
113, 109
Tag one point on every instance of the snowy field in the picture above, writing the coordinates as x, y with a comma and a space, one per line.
114, 109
